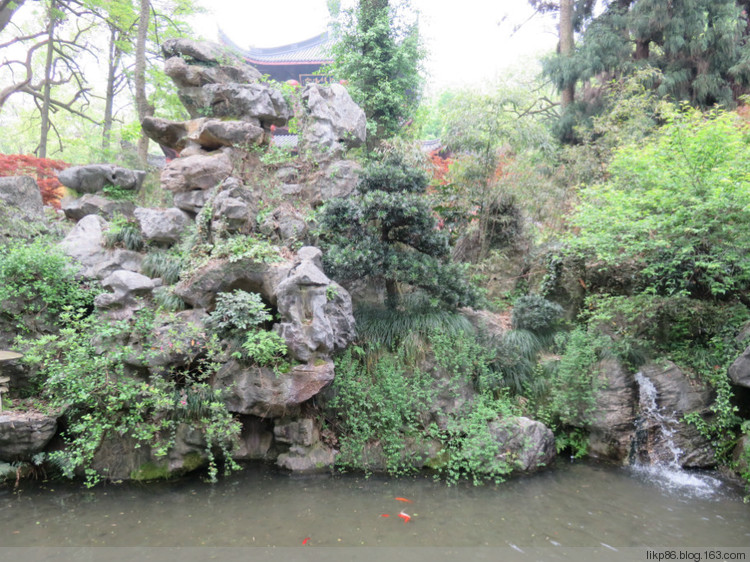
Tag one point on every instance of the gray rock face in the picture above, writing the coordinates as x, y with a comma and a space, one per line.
20, 199
261, 392
85, 244
234, 208
223, 276
127, 287
333, 122
208, 134
285, 225
195, 172
93, 178
92, 204
525, 445
191, 201
316, 313
296, 431
255, 439
247, 101
308, 460
199, 51
739, 372
339, 179
164, 226
22, 435
613, 420
659, 436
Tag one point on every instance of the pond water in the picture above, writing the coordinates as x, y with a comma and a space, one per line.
573, 505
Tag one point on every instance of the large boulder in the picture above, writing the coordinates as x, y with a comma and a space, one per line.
208, 134
93, 177
308, 460
85, 244
266, 393
612, 424
223, 276
525, 445
164, 226
128, 289
316, 312
234, 208
666, 396
332, 121
739, 372
247, 101
20, 206
92, 204
22, 435
196, 172
191, 201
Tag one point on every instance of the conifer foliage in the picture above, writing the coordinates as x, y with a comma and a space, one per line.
389, 232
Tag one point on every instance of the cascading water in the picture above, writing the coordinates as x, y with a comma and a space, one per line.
655, 454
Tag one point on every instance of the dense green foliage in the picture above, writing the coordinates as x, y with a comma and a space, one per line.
676, 207
101, 400
389, 232
379, 53
37, 283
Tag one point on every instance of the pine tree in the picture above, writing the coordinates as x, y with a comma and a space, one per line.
389, 232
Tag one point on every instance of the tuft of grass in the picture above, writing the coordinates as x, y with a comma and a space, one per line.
162, 264
124, 233
166, 299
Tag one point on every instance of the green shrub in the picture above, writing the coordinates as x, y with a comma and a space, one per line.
536, 314
37, 282
236, 313
84, 374
265, 349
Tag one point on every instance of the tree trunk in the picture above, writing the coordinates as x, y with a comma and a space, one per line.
567, 46
113, 63
47, 84
141, 100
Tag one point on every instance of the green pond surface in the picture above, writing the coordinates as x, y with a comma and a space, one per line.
572, 505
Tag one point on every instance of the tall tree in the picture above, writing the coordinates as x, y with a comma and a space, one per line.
379, 52
142, 105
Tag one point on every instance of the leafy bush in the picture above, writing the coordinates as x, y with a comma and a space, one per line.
536, 314
85, 376
43, 170
37, 282
677, 207
236, 313
166, 299
264, 348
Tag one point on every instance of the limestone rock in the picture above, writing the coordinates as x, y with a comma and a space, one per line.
739, 372
308, 460
92, 204
20, 205
92, 178
316, 313
127, 287
613, 421
333, 122
223, 276
23, 434
191, 201
285, 225
741, 455
196, 172
261, 392
199, 51
296, 431
164, 226
208, 134
234, 208
247, 101
339, 179
255, 439
525, 445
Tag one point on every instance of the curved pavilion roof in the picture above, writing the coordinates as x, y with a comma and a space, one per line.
315, 50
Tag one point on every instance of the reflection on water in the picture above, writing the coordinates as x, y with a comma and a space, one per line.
573, 505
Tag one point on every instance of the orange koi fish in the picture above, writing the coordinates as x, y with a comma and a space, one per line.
384, 515
304, 542
403, 500
405, 516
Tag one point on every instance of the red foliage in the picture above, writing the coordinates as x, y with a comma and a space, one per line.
43, 170
440, 165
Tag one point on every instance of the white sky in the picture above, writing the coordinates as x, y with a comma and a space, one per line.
469, 41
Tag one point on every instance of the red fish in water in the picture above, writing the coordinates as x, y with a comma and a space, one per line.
304, 542
384, 515
403, 500
405, 516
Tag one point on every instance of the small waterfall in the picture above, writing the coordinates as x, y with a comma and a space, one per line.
654, 453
